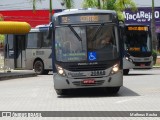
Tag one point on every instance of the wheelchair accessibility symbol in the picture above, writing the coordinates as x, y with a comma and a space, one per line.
92, 56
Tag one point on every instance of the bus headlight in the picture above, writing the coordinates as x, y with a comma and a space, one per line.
60, 70
115, 69
129, 59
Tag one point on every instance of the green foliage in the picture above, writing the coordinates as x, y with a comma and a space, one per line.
1, 17
154, 54
120, 15
68, 4
90, 3
110, 4
118, 5
34, 3
2, 37
121, 5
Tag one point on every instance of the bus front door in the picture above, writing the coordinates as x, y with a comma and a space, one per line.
19, 50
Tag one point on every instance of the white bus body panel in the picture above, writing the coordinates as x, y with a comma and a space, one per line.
127, 64
9, 63
43, 54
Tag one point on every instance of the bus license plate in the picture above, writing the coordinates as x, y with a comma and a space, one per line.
89, 81
142, 65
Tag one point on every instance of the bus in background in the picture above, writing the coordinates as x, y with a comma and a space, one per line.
30, 51
87, 50
138, 48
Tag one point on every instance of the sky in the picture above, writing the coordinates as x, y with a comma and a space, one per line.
56, 4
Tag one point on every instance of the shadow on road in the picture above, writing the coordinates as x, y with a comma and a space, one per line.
98, 92
127, 92
140, 74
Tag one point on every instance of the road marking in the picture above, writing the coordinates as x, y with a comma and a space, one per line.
122, 101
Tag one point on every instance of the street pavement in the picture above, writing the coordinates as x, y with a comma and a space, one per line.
12, 74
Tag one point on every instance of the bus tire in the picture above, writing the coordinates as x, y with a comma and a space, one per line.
125, 71
39, 67
61, 92
112, 90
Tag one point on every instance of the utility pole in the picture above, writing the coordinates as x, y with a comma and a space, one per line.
50, 10
153, 28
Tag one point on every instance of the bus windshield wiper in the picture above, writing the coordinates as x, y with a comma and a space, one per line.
75, 33
97, 31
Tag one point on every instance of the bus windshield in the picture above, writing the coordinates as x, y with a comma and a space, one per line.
86, 43
138, 42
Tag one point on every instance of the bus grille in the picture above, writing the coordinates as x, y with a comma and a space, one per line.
87, 67
79, 83
140, 54
139, 63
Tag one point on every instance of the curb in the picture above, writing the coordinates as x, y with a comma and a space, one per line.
156, 66
16, 75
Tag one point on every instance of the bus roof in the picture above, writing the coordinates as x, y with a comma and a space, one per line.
137, 25
34, 30
76, 11
40, 28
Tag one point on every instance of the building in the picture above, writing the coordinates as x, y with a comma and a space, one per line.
144, 16
34, 18
22, 10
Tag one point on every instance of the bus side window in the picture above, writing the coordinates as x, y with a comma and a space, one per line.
21, 40
46, 42
33, 40
10, 41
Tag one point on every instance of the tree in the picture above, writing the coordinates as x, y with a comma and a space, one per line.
2, 37
50, 10
90, 3
118, 5
153, 29
68, 3
121, 5
1, 17
34, 2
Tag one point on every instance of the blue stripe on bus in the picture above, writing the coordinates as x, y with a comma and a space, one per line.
43, 28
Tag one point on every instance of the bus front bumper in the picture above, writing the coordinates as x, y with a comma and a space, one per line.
114, 80
147, 65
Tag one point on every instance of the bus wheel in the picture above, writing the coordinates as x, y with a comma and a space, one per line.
112, 90
125, 71
61, 92
38, 67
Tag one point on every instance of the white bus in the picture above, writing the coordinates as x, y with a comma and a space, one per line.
138, 47
80, 55
29, 51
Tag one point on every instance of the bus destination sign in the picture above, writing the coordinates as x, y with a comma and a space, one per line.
137, 28
82, 18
